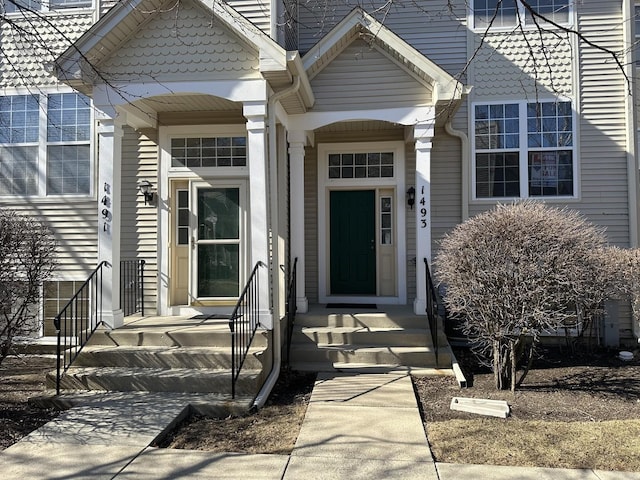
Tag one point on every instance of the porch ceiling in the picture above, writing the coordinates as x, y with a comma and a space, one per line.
181, 109
188, 103
359, 126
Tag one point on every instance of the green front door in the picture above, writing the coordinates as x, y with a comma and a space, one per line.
353, 246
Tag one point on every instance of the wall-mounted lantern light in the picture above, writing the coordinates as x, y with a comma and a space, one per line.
411, 197
144, 186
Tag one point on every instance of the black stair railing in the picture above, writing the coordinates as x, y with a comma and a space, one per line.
291, 307
432, 307
77, 320
243, 323
132, 287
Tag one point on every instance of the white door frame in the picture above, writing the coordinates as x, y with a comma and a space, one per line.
325, 185
166, 173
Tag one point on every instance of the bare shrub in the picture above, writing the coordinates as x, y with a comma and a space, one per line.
518, 271
27, 259
627, 262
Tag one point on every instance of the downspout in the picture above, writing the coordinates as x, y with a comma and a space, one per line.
264, 392
631, 136
464, 141
632, 164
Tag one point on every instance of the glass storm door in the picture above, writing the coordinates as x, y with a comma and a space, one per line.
216, 260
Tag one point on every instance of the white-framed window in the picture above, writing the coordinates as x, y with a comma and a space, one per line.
509, 13
24, 6
183, 221
386, 220
45, 144
361, 165
202, 152
524, 149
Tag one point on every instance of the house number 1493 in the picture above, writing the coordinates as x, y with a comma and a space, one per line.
423, 209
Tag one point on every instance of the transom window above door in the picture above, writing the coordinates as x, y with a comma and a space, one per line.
361, 165
199, 152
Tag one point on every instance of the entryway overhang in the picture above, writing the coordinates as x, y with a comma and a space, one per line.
233, 65
362, 73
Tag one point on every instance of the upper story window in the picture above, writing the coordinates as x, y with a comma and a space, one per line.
56, 163
509, 13
14, 6
524, 149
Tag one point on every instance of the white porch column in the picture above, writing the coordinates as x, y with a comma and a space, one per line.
423, 134
255, 113
109, 194
297, 141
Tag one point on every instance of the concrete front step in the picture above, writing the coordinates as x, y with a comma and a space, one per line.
157, 380
417, 356
164, 357
371, 368
217, 335
388, 336
369, 319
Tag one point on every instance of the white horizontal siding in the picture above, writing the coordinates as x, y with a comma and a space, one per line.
139, 230
74, 224
362, 77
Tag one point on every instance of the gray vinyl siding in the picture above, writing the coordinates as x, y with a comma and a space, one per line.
410, 219
446, 186
603, 127
139, 230
603, 158
429, 26
362, 77
311, 223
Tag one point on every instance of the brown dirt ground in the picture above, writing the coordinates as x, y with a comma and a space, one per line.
571, 412
273, 429
20, 378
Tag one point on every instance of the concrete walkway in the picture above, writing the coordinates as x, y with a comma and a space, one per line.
356, 427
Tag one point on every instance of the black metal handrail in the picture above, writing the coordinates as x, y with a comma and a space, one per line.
243, 323
132, 286
291, 307
431, 296
77, 320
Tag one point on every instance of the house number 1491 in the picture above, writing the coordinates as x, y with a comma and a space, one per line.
423, 209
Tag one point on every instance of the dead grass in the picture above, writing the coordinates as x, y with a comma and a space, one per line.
608, 445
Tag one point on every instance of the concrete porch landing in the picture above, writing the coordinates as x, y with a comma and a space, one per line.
166, 354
